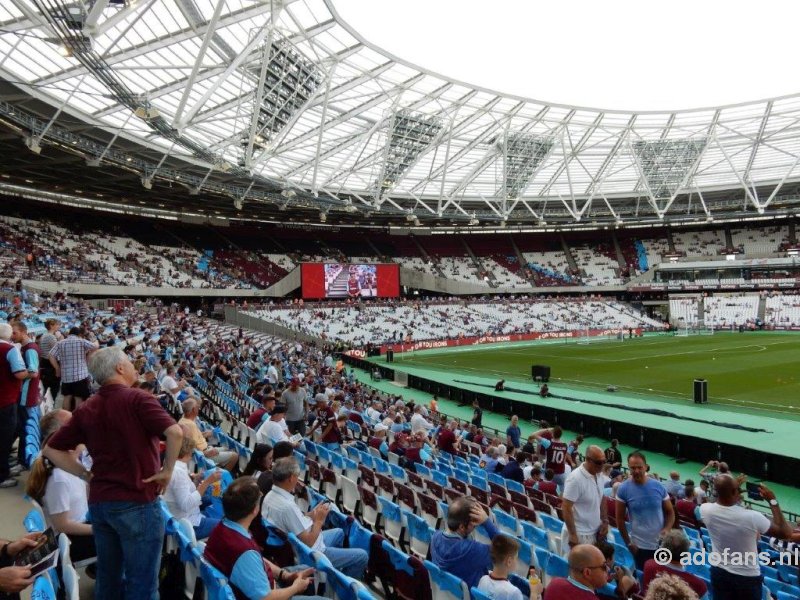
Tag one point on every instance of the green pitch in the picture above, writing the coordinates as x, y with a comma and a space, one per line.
753, 371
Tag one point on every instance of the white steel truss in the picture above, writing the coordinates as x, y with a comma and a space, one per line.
286, 91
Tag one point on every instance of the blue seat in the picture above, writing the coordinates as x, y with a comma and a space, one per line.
533, 534
303, 552
311, 447
788, 573
701, 570
507, 523
324, 455
446, 469
398, 473
34, 521
43, 589
422, 470
775, 587
542, 555
217, 587
551, 523
768, 571
557, 566
521, 583
462, 475
393, 522
515, 486
478, 595
788, 596
498, 479
624, 558
344, 587
419, 534
439, 477
446, 583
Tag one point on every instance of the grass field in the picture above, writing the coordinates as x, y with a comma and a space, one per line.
752, 371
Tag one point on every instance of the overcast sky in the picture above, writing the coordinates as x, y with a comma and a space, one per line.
621, 54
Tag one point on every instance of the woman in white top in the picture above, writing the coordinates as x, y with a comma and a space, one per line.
63, 496
183, 498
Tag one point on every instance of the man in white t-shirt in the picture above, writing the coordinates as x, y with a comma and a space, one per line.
418, 422
274, 429
734, 532
585, 512
172, 385
272, 373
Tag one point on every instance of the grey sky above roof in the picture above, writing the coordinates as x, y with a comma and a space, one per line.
613, 54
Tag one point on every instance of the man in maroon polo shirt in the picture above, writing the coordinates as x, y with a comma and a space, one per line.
447, 440
120, 427
587, 573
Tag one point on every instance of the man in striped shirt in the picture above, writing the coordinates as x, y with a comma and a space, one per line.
68, 358
46, 370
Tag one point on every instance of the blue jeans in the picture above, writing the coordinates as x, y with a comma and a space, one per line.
350, 561
206, 526
129, 537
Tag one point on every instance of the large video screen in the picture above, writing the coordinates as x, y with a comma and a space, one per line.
338, 280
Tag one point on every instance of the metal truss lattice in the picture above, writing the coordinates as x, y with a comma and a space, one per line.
290, 81
523, 153
666, 165
410, 135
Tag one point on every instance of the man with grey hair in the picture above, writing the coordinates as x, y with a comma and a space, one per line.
121, 427
281, 508
677, 543
222, 458
12, 373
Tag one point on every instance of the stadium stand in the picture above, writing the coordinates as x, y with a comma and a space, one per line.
389, 498
438, 320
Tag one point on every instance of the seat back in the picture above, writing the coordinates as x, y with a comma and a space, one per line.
444, 585
419, 534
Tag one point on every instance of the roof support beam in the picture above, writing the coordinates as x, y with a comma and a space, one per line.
201, 54
374, 101
94, 15
177, 37
246, 52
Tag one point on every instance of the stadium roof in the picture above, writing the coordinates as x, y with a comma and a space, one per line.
286, 104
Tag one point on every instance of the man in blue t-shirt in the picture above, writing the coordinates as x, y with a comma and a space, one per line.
651, 514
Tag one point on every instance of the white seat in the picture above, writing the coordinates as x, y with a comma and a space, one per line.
68, 572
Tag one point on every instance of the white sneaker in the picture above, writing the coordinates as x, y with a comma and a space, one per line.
9, 483
16, 470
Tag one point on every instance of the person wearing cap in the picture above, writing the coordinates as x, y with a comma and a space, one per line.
295, 399
326, 420
273, 430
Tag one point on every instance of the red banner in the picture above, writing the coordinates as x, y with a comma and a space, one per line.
493, 339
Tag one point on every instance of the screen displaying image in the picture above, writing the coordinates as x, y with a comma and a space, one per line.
338, 280
351, 281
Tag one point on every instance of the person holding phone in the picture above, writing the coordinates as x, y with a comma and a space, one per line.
232, 550
734, 531
14, 579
